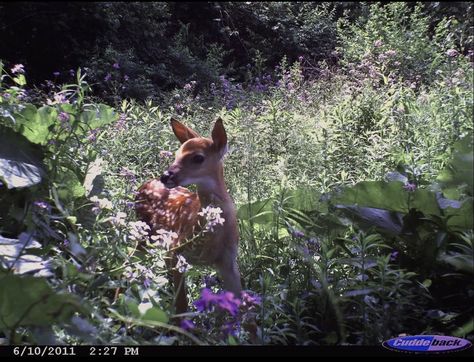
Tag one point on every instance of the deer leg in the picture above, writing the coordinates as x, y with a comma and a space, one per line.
230, 274
179, 284
180, 292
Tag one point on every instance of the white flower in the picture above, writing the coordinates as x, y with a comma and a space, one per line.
100, 204
164, 238
212, 216
118, 220
138, 230
182, 265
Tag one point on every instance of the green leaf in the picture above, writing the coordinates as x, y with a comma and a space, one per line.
461, 218
460, 169
459, 261
30, 301
155, 314
35, 124
389, 196
132, 307
13, 256
69, 187
20, 161
20, 80
260, 212
98, 117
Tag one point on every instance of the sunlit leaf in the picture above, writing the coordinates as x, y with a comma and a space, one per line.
20, 161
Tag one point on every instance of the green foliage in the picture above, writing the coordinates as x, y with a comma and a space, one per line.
352, 180
29, 301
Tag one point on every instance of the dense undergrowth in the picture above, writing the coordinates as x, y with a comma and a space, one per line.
353, 184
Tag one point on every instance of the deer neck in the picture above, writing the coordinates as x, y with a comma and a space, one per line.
214, 192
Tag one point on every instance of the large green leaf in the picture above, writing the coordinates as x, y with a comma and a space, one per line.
30, 301
389, 196
35, 124
99, 116
155, 314
69, 186
461, 218
13, 256
258, 212
20, 161
262, 212
460, 169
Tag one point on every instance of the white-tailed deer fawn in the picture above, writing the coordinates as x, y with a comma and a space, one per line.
164, 204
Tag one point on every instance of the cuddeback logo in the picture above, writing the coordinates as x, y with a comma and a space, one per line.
430, 344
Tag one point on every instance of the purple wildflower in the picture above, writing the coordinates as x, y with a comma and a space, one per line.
42, 206
56, 74
166, 154
206, 300
129, 175
146, 283
92, 136
120, 124
452, 53
393, 256
297, 233
126, 77
409, 187
378, 43
210, 281
66, 242
107, 77
63, 117
314, 245
227, 301
231, 328
249, 299
116, 66
187, 325
72, 73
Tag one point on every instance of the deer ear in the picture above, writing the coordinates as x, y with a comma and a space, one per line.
219, 137
182, 132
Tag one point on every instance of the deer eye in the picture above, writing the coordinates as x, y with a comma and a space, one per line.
198, 159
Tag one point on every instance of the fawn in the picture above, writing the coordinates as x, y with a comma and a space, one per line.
164, 204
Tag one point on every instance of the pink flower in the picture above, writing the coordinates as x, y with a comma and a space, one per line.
378, 43
452, 53
166, 154
18, 68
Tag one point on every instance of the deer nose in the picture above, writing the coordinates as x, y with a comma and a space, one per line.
167, 175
